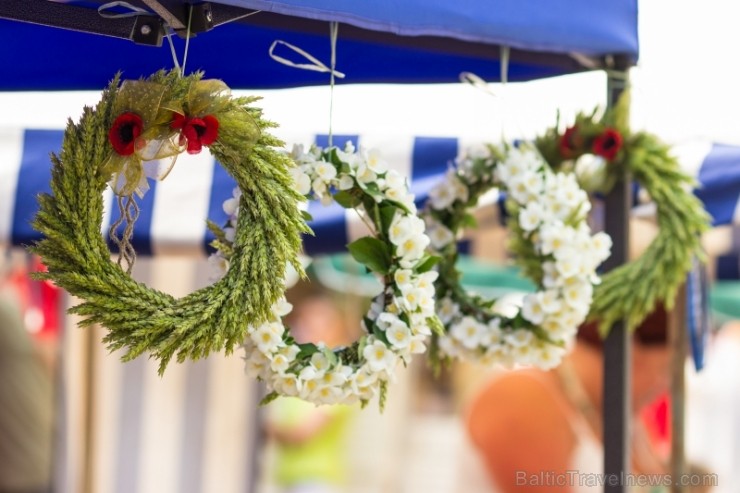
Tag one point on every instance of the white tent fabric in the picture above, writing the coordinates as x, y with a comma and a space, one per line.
196, 188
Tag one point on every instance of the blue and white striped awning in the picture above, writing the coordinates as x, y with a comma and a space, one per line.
174, 211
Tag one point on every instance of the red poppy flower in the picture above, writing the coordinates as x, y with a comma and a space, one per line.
608, 144
570, 142
195, 132
124, 132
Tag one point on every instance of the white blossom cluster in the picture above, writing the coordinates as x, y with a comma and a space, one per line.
551, 213
365, 168
455, 188
399, 315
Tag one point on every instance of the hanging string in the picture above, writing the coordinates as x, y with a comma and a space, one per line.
333, 32
128, 214
315, 65
187, 40
482, 85
505, 52
127, 206
106, 12
175, 62
180, 67
477, 82
504, 76
239, 17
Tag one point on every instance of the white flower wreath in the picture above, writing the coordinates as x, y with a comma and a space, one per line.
400, 318
552, 243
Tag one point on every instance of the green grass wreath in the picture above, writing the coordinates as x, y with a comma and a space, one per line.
156, 118
602, 150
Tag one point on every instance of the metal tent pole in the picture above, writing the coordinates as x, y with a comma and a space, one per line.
617, 357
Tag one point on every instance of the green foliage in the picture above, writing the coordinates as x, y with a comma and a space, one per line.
435, 356
427, 263
436, 325
631, 291
387, 213
468, 221
346, 199
269, 398
372, 253
140, 319
306, 350
382, 399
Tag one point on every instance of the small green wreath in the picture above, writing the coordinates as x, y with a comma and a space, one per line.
551, 241
152, 119
400, 317
601, 150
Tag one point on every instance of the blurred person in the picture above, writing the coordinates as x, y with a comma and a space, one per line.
531, 425
311, 455
26, 405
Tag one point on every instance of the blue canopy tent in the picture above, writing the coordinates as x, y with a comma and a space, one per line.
419, 41
382, 41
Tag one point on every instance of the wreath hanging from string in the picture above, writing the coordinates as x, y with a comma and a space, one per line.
551, 242
401, 316
135, 123
603, 150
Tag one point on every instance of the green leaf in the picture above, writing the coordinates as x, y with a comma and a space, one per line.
332, 156
330, 355
217, 231
362, 343
269, 398
387, 213
486, 304
380, 335
307, 350
306, 216
468, 221
373, 328
372, 189
426, 264
372, 253
346, 199
400, 206
383, 397
436, 325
